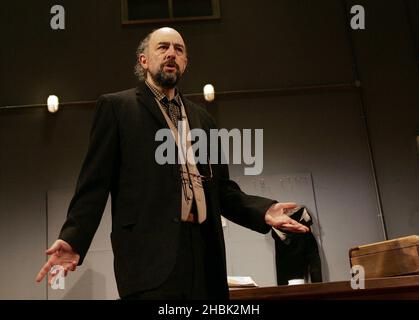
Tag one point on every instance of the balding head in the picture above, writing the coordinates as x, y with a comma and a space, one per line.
161, 46
166, 33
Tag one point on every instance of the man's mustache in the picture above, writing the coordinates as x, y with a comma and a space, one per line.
170, 63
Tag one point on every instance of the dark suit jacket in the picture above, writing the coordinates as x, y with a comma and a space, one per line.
146, 196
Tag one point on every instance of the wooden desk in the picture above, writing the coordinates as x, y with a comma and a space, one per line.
394, 288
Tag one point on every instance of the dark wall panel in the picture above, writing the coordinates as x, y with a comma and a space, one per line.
264, 44
389, 76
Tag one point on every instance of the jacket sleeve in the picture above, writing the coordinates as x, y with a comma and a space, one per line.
88, 203
244, 209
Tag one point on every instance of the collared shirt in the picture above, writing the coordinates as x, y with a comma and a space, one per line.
172, 107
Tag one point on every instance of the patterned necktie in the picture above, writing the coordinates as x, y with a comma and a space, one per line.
172, 110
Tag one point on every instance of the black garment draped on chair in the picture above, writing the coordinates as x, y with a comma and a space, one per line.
297, 254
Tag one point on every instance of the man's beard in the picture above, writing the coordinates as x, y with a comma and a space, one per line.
167, 80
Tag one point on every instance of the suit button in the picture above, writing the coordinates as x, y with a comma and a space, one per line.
175, 219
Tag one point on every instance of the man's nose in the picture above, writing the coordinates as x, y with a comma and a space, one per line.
171, 52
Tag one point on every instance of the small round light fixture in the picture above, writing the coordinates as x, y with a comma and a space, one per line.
209, 92
52, 103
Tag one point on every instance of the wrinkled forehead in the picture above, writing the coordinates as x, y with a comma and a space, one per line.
166, 35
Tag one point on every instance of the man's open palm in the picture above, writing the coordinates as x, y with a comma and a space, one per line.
60, 254
276, 217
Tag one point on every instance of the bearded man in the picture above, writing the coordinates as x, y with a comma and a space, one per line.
167, 236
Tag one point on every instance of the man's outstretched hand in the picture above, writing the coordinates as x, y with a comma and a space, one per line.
277, 218
62, 254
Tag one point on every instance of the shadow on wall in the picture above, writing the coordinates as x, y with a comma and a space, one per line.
90, 286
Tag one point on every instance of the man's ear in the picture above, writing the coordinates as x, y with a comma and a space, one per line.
142, 59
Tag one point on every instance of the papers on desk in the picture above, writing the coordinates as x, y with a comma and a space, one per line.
238, 282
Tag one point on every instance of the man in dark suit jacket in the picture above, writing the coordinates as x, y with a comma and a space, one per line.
157, 253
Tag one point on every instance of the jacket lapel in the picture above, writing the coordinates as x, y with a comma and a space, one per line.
146, 98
